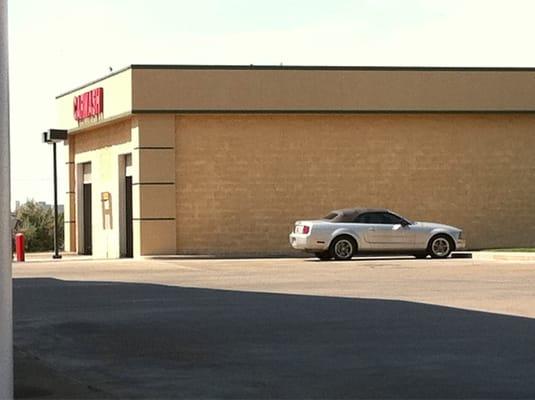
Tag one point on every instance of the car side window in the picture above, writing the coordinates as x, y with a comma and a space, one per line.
361, 219
369, 218
378, 218
391, 219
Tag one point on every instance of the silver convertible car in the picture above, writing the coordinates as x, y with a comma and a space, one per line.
344, 233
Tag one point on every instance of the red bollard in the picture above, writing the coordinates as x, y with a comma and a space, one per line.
19, 246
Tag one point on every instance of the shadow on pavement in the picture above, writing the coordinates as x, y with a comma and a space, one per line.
368, 258
153, 341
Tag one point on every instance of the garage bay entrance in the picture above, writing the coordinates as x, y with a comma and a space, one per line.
127, 231
85, 210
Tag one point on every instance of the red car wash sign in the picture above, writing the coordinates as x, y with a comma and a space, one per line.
89, 104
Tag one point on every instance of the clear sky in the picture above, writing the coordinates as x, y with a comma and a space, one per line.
56, 45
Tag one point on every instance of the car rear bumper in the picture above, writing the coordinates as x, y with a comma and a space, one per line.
306, 243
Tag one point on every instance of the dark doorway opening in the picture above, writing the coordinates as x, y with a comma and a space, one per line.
88, 237
128, 214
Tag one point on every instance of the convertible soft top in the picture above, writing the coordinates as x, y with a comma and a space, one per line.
349, 214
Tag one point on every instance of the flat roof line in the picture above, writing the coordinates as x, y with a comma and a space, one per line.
253, 67
328, 67
323, 111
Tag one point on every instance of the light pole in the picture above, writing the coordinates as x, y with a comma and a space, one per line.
6, 297
53, 136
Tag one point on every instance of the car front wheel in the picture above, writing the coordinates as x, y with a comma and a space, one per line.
440, 246
343, 248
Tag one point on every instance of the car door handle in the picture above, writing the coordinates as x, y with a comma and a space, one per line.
371, 229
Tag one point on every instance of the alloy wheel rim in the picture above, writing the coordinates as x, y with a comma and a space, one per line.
441, 247
343, 249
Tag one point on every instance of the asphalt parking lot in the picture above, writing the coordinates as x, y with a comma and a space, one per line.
279, 328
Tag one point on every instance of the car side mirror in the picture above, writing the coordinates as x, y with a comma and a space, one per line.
405, 223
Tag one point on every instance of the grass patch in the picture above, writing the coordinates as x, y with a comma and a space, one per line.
517, 250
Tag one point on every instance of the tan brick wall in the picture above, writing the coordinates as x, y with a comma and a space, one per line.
242, 180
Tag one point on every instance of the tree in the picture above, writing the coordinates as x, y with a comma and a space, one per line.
37, 225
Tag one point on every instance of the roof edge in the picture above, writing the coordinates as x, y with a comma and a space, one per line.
297, 68
327, 67
119, 71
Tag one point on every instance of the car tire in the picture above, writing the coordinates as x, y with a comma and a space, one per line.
343, 248
440, 246
323, 256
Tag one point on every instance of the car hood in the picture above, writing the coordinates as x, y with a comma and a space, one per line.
434, 225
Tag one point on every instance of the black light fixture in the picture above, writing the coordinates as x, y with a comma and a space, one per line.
53, 136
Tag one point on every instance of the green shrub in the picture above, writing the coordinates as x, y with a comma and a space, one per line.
37, 225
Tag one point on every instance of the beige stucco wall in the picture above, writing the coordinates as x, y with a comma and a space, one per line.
150, 140
117, 101
144, 89
70, 197
338, 90
101, 147
154, 188
242, 180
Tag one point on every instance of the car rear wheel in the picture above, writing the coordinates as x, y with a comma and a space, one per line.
323, 256
343, 248
440, 246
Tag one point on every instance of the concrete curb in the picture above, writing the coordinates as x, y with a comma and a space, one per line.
476, 255
503, 256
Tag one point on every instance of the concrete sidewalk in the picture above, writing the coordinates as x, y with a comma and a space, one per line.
503, 256
484, 255
47, 257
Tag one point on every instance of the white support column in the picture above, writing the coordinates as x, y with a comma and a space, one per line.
6, 313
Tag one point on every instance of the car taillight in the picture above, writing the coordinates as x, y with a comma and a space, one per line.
302, 229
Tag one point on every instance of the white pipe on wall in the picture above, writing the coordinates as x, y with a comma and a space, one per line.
6, 308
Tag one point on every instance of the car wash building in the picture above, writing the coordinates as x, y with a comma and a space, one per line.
222, 160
